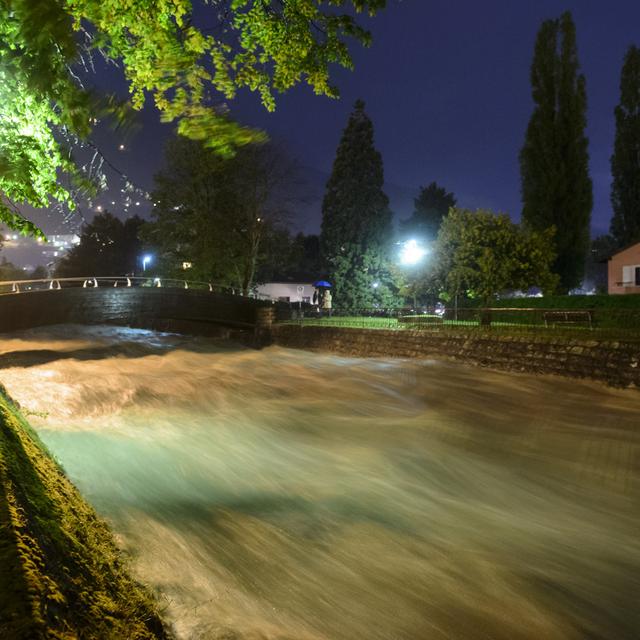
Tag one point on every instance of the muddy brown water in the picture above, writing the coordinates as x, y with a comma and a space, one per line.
281, 494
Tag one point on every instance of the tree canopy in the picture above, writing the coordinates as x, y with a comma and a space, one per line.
356, 219
481, 254
218, 213
430, 208
554, 161
48, 46
108, 246
625, 161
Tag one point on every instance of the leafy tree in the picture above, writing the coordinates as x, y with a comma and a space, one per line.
46, 46
39, 273
291, 258
554, 161
365, 280
356, 219
430, 208
216, 212
481, 254
8, 271
108, 247
307, 256
625, 161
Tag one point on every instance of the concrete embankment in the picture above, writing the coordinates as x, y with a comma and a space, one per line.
616, 363
61, 574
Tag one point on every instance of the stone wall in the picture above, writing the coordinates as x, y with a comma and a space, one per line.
616, 363
187, 311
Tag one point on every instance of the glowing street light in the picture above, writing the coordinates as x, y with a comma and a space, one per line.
145, 261
412, 253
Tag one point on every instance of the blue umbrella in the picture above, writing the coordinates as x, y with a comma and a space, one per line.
322, 283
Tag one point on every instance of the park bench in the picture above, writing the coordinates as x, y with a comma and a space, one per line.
555, 318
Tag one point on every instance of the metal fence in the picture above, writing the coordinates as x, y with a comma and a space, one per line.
581, 323
11, 287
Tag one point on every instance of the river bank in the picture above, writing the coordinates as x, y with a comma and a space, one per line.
61, 573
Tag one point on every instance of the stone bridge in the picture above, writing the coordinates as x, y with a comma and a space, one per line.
183, 310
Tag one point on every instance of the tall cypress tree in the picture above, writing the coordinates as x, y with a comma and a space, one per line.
625, 161
554, 161
356, 219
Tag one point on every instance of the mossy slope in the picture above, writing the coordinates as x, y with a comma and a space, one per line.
61, 574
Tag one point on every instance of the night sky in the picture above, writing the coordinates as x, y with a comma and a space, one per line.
446, 84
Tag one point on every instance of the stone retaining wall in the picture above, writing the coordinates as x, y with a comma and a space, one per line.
616, 363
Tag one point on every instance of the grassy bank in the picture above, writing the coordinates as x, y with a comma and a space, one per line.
61, 574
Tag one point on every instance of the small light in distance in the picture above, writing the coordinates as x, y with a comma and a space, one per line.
121, 147
375, 285
145, 261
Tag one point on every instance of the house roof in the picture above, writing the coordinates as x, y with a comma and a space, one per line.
623, 249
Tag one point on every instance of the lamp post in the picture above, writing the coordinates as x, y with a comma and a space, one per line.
411, 254
145, 261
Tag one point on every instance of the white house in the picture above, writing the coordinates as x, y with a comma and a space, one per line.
287, 291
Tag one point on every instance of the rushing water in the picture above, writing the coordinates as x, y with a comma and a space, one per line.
282, 494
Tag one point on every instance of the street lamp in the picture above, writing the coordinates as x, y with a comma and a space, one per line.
145, 261
412, 253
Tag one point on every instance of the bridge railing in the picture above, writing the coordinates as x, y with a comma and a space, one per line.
13, 287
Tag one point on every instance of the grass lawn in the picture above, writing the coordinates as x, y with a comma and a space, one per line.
362, 322
426, 322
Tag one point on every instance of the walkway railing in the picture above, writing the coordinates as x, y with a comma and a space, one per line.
12, 287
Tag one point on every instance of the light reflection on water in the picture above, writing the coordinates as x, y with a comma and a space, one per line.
283, 494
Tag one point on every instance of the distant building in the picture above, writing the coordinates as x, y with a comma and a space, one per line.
57, 245
26, 251
624, 270
287, 291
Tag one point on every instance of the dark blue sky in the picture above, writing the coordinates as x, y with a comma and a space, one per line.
446, 84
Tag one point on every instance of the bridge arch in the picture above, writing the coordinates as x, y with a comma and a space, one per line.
148, 303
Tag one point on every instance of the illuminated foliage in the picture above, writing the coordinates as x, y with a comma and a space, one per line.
265, 46
482, 254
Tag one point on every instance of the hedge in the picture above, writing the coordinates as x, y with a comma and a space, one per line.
600, 301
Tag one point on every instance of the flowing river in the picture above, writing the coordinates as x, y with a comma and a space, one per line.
280, 494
